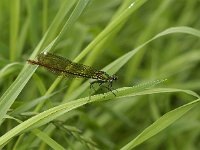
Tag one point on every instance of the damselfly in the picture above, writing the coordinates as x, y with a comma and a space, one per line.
65, 67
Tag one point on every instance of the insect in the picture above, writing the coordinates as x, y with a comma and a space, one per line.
65, 67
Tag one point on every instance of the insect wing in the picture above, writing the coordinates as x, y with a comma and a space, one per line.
53, 61
56, 64
62, 66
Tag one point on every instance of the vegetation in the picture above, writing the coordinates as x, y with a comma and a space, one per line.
152, 46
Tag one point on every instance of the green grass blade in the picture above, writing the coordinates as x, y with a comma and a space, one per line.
161, 124
53, 113
111, 27
117, 64
14, 28
45, 138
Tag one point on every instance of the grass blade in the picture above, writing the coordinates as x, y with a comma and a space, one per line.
53, 113
162, 123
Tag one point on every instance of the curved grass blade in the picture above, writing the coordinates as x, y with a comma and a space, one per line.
55, 112
162, 123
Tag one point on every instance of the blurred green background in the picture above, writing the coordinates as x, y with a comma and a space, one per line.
112, 124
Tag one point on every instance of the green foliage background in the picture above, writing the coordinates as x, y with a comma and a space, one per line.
152, 46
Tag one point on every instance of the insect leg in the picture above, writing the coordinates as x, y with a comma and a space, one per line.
111, 90
109, 87
99, 82
91, 85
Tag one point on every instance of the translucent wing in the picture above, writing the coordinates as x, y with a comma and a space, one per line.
62, 66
